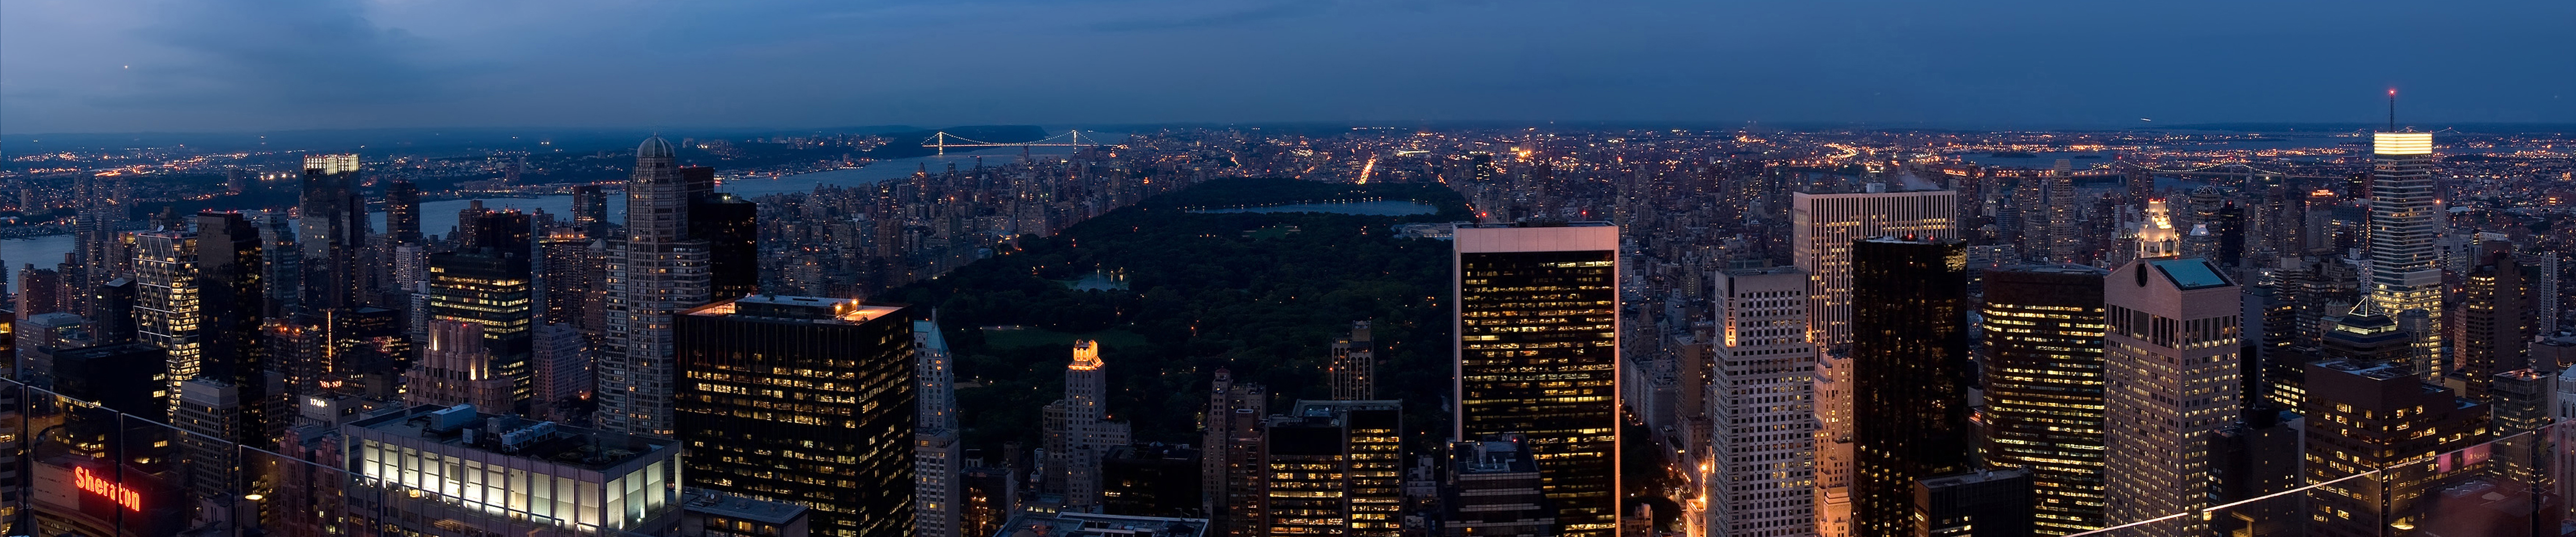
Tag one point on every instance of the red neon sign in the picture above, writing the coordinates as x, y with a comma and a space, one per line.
133, 501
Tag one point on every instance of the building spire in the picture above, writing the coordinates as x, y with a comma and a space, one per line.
2392, 109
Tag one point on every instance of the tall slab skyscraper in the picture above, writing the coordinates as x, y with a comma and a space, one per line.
332, 224
2405, 266
1910, 375
168, 313
654, 270
803, 400
2043, 381
2171, 369
1762, 406
1822, 229
1538, 329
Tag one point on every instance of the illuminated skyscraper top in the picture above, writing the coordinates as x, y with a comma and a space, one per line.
2405, 273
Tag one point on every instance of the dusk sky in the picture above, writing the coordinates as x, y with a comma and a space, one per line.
200, 65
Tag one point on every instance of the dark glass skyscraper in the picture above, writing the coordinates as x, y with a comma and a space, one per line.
232, 293
1910, 374
802, 400
332, 225
2043, 382
1538, 330
731, 227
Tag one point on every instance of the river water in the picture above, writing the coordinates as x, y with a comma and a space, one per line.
439, 217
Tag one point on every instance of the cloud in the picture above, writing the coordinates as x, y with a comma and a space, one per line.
279, 55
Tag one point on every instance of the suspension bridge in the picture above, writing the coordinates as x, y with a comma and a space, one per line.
1071, 138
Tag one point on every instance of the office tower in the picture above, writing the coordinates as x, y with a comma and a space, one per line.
1822, 228
560, 363
663, 271
1353, 369
2170, 371
1971, 504
2065, 243
1335, 469
2365, 417
114, 319
841, 447
731, 227
1761, 406
210, 411
489, 282
1537, 310
1910, 372
1078, 432
2495, 325
936, 454
232, 290
1231, 475
2227, 227
990, 497
332, 226
2043, 388
283, 259
564, 266
563, 480
2404, 271
402, 211
1494, 489
2258, 457
455, 368
168, 307
2520, 415
39, 291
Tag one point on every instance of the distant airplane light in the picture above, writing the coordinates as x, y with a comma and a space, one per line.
2145, 119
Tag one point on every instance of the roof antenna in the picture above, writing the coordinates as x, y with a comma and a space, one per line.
2392, 109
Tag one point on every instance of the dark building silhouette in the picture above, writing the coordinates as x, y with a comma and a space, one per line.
1974, 504
1150, 480
402, 212
113, 304
731, 227
1910, 374
2496, 320
231, 288
832, 381
123, 377
332, 226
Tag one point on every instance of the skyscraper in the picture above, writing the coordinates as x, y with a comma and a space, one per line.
456, 369
731, 227
402, 212
489, 281
661, 270
1335, 469
1761, 403
1078, 430
2377, 417
2171, 372
2495, 325
1910, 374
2405, 270
938, 458
1354, 365
803, 400
333, 229
1822, 228
2043, 382
232, 293
1231, 474
168, 311
1537, 313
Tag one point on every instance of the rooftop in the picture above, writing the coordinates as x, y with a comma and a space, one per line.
737, 507
1047, 524
805, 308
465, 429
2190, 274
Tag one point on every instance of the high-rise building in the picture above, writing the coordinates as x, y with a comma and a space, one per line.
560, 363
937, 457
2171, 374
1911, 372
1231, 475
1822, 228
168, 309
39, 291
2495, 325
661, 270
731, 227
803, 400
1538, 328
1761, 406
232, 290
455, 368
1078, 430
490, 282
589, 206
402, 212
112, 311
1973, 504
210, 411
332, 226
2405, 270
283, 256
2377, 417
1353, 369
564, 266
2043, 388
1335, 469
1494, 489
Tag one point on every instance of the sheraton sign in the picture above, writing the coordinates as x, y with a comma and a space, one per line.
111, 490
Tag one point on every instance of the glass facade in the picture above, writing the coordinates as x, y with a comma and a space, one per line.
1538, 347
1910, 375
803, 400
2043, 382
